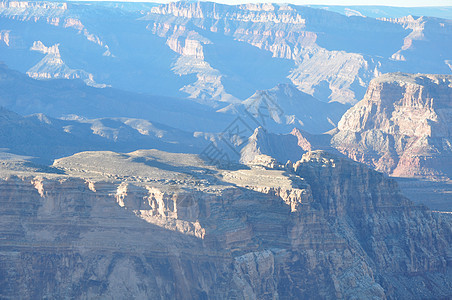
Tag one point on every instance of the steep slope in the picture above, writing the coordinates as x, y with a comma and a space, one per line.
426, 37
53, 67
402, 126
334, 56
188, 48
288, 33
131, 225
89, 42
284, 107
284, 147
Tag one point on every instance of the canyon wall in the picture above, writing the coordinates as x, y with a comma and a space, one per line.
189, 49
402, 126
322, 227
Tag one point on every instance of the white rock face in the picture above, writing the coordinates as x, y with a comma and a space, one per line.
315, 65
4, 36
334, 71
190, 45
409, 22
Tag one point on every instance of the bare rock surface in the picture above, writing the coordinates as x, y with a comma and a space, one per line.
153, 224
285, 147
281, 147
189, 49
402, 126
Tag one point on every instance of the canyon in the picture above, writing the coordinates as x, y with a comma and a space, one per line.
185, 49
152, 224
401, 128
196, 150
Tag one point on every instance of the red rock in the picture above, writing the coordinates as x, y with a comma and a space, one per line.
402, 126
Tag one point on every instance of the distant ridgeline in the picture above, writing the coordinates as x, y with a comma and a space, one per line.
214, 52
196, 150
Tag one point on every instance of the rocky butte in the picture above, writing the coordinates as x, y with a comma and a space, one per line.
403, 126
157, 225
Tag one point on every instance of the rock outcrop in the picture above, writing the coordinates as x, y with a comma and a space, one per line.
151, 224
50, 12
285, 147
286, 31
402, 126
52, 66
282, 147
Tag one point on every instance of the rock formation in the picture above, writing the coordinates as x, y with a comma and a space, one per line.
284, 107
287, 222
402, 126
151, 224
258, 25
52, 66
188, 49
282, 147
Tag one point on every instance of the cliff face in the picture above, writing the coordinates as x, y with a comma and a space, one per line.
280, 147
61, 239
189, 49
53, 67
287, 32
151, 225
402, 126
333, 57
367, 211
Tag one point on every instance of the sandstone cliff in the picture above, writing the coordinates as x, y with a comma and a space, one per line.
151, 224
402, 126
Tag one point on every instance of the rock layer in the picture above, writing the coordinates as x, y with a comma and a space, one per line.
188, 49
151, 224
402, 126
